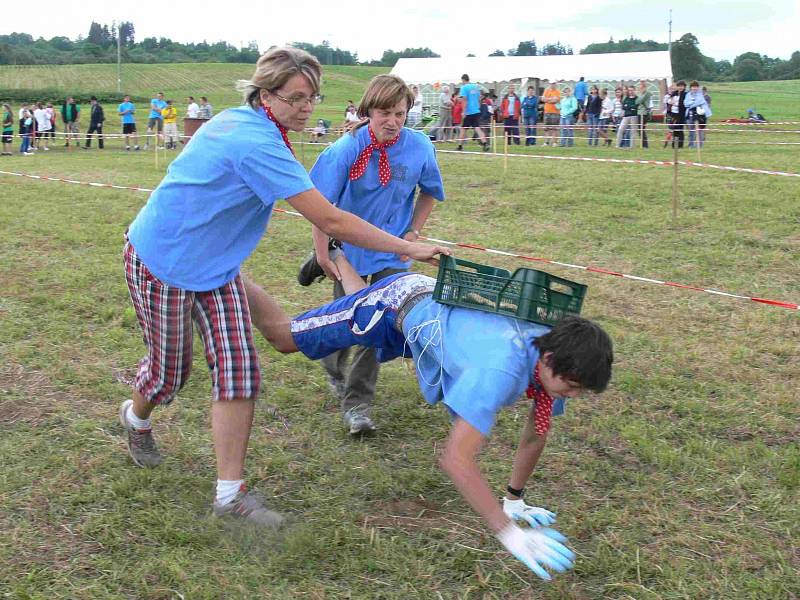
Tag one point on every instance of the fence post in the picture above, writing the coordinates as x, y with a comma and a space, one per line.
505, 150
674, 180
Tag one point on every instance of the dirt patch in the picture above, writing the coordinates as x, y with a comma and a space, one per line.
416, 514
28, 396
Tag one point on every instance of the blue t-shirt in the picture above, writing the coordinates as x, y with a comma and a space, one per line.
475, 363
127, 117
472, 93
530, 106
390, 208
209, 212
581, 90
160, 105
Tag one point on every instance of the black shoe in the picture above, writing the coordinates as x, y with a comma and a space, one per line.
485, 147
459, 148
310, 270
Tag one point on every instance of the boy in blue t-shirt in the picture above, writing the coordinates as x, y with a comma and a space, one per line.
470, 95
126, 111
473, 362
155, 121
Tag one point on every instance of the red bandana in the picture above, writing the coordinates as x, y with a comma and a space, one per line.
384, 170
280, 127
543, 402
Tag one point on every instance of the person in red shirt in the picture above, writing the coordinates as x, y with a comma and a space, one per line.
458, 114
511, 109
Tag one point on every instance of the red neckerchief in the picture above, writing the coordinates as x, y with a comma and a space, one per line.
543, 403
280, 127
384, 170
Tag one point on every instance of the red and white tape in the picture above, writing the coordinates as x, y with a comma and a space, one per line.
630, 161
525, 257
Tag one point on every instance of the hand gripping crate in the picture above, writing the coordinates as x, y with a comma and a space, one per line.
526, 294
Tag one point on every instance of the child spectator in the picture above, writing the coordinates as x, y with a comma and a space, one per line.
26, 132
530, 115
43, 125
8, 129
170, 115
126, 111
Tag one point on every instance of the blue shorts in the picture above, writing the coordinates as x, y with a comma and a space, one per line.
366, 318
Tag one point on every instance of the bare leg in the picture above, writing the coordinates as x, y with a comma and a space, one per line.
141, 407
351, 281
231, 421
269, 318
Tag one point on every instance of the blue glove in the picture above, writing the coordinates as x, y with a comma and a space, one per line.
537, 548
517, 510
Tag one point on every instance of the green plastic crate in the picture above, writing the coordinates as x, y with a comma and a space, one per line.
526, 294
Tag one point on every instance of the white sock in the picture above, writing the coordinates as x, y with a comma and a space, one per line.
135, 421
227, 490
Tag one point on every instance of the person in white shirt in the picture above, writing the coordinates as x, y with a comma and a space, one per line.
351, 116
43, 125
415, 113
606, 112
193, 110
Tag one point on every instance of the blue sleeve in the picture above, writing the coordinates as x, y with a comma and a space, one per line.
273, 173
478, 394
430, 179
332, 170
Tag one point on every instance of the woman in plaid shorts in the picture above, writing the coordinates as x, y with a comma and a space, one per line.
184, 250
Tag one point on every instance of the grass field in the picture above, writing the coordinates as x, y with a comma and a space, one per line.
681, 482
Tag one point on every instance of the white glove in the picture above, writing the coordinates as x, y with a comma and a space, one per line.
537, 548
517, 510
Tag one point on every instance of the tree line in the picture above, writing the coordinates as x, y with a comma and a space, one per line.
100, 46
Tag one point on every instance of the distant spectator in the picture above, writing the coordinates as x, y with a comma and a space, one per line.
318, 131
581, 93
630, 119
350, 105
457, 113
170, 114
193, 110
26, 132
415, 112
511, 110
552, 115
678, 111
567, 108
530, 115
606, 112
155, 120
616, 115
643, 102
697, 113
666, 108
70, 115
51, 111
486, 114
8, 129
706, 96
470, 96
444, 126
126, 111
594, 106
351, 118
206, 110
96, 119
43, 125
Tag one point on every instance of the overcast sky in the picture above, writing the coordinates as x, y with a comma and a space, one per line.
449, 27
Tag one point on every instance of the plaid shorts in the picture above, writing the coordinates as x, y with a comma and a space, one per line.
166, 313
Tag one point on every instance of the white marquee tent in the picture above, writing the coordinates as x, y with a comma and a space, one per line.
496, 72
628, 66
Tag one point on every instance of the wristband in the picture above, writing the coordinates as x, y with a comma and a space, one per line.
518, 493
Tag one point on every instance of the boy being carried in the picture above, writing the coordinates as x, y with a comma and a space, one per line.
473, 362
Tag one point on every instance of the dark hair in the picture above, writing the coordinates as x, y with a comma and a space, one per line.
581, 352
93, 98
681, 82
694, 84
581, 78
203, 98
465, 77
191, 98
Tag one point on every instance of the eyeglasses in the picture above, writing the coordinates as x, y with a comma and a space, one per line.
312, 100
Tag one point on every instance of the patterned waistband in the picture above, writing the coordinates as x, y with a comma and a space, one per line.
407, 305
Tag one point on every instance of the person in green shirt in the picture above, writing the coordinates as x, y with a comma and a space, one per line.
71, 114
8, 129
643, 110
630, 119
568, 107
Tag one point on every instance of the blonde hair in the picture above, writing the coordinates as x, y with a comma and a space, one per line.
383, 92
274, 68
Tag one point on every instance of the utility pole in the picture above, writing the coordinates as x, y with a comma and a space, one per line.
119, 59
669, 45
